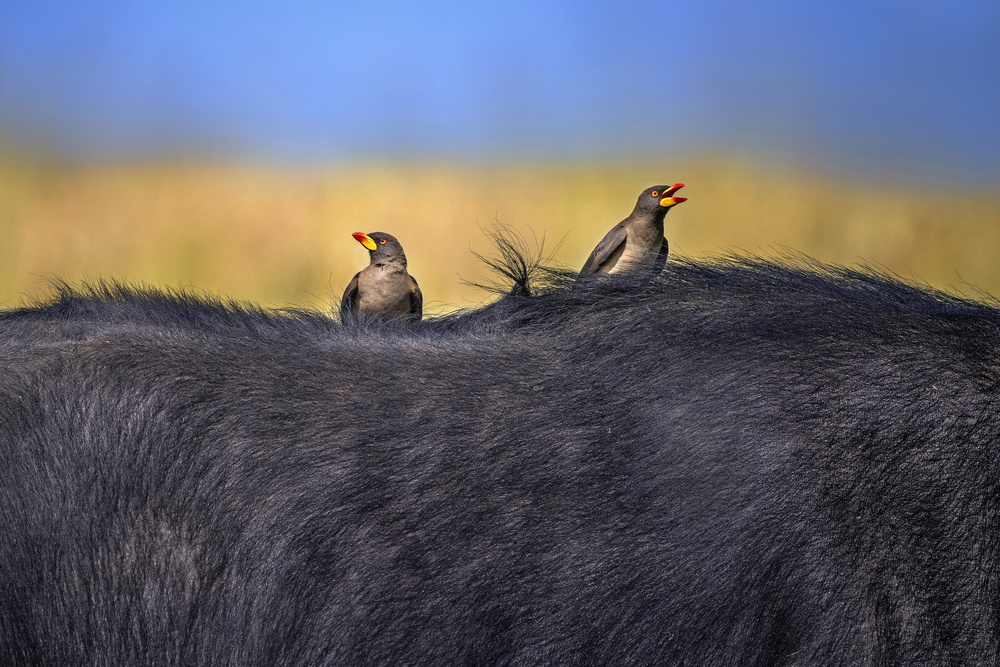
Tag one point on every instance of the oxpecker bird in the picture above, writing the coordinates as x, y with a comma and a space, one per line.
637, 242
383, 289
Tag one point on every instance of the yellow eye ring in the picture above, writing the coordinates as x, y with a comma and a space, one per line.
381, 240
654, 193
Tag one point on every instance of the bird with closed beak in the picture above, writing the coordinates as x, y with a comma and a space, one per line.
383, 290
637, 242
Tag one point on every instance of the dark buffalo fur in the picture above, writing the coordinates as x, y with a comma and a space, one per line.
736, 463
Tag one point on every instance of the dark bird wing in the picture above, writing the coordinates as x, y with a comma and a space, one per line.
416, 300
349, 302
607, 252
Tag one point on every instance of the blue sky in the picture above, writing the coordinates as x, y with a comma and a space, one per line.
903, 83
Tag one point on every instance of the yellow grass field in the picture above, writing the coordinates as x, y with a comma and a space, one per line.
280, 236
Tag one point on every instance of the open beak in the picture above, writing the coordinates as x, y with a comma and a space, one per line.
668, 200
367, 242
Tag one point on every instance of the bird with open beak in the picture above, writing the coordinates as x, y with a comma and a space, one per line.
382, 290
637, 242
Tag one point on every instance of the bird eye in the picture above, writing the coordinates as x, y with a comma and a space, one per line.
381, 240
653, 193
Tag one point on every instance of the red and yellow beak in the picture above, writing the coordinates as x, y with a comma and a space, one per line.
669, 200
367, 241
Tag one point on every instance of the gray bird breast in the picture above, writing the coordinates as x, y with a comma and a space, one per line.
384, 289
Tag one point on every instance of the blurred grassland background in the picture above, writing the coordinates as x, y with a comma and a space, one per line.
280, 236
233, 148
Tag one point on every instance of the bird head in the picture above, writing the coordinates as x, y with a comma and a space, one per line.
659, 198
381, 246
